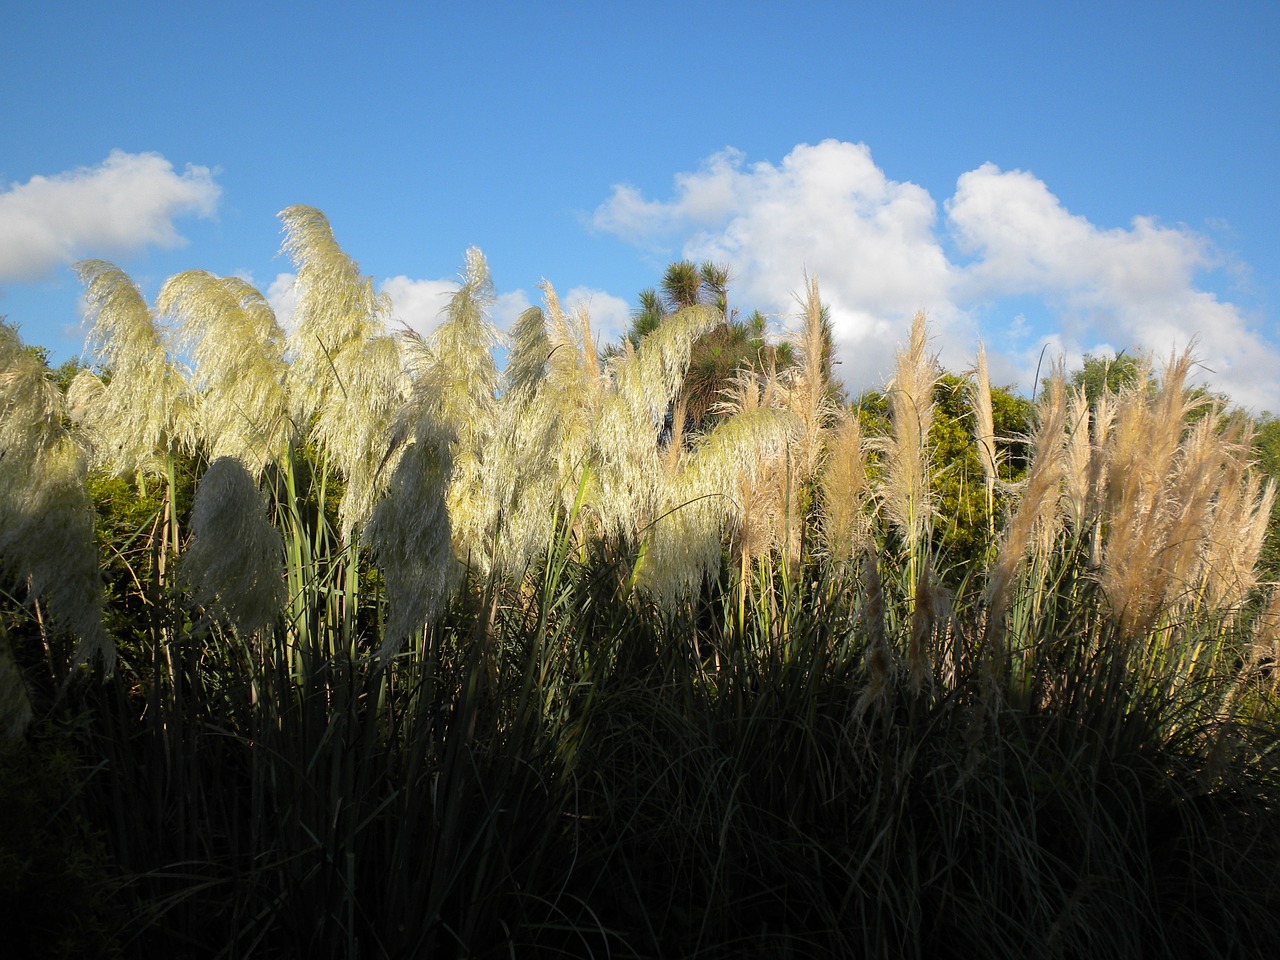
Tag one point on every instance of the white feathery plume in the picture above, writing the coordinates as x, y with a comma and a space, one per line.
146, 410
410, 536
237, 348
984, 429
455, 392
530, 349
1078, 496
1144, 444
700, 504
763, 506
46, 519
844, 492
571, 396
624, 436
346, 375
235, 559
1034, 520
809, 383
905, 488
336, 307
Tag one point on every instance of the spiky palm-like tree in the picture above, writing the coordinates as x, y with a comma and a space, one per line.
682, 286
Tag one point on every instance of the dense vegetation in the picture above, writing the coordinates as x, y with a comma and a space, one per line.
332, 643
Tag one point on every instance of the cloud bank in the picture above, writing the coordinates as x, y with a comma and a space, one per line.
879, 249
127, 202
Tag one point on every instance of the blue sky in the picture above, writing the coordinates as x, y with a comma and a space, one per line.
1078, 176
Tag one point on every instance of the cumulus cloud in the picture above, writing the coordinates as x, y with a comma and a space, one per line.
416, 304
826, 211
1135, 285
610, 316
876, 246
127, 202
282, 294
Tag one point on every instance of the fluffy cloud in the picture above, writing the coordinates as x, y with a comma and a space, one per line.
825, 210
876, 246
127, 202
416, 304
282, 294
1133, 286
610, 316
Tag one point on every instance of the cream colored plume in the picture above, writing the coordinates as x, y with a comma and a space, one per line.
1183, 518
637, 392
904, 490
145, 411
530, 351
455, 395
46, 520
984, 428
844, 493
571, 392
410, 536
809, 383
234, 561
1142, 462
1034, 523
700, 505
346, 375
237, 347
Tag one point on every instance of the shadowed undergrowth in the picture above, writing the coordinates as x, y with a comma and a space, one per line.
382, 653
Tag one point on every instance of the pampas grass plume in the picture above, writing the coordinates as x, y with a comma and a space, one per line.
234, 562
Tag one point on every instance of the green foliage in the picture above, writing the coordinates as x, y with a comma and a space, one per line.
1109, 374
956, 738
1266, 448
962, 532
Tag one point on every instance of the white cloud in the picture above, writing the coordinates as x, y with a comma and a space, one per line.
826, 210
127, 202
875, 245
1135, 285
282, 294
610, 316
417, 303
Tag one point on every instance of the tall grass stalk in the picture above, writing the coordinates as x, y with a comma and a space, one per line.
649, 722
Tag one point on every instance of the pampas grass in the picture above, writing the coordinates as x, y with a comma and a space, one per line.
146, 411
346, 375
234, 561
46, 520
905, 494
237, 347
570, 686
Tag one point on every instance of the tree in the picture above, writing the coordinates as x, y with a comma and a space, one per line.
1266, 451
719, 355
1108, 373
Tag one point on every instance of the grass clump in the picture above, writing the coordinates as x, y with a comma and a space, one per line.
518, 666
